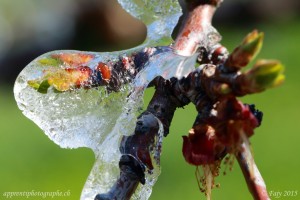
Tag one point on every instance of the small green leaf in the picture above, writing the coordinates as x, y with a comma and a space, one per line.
252, 43
267, 80
247, 50
267, 73
44, 87
263, 67
49, 62
35, 84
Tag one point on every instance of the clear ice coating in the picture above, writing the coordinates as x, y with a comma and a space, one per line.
95, 118
160, 16
167, 64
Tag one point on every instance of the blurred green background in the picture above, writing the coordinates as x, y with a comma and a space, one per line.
30, 161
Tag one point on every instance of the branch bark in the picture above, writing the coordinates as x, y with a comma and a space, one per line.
254, 180
213, 88
196, 21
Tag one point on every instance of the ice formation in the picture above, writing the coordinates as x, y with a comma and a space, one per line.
95, 118
160, 17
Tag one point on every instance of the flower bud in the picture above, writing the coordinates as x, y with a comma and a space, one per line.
265, 74
199, 146
246, 51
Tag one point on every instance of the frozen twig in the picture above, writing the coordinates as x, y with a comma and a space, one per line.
196, 24
213, 88
222, 126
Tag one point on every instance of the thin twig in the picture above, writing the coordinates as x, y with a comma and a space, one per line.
254, 180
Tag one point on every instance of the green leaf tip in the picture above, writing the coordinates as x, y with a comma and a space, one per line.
247, 50
35, 84
252, 43
40, 86
267, 74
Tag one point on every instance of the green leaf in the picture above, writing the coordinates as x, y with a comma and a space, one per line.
49, 62
267, 73
253, 43
35, 84
247, 50
43, 88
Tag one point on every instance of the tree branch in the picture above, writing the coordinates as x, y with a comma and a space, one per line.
213, 88
254, 180
195, 23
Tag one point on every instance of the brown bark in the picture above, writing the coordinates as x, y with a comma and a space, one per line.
254, 180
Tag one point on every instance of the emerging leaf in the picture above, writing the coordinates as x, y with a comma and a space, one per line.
35, 84
49, 62
265, 74
43, 88
247, 50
